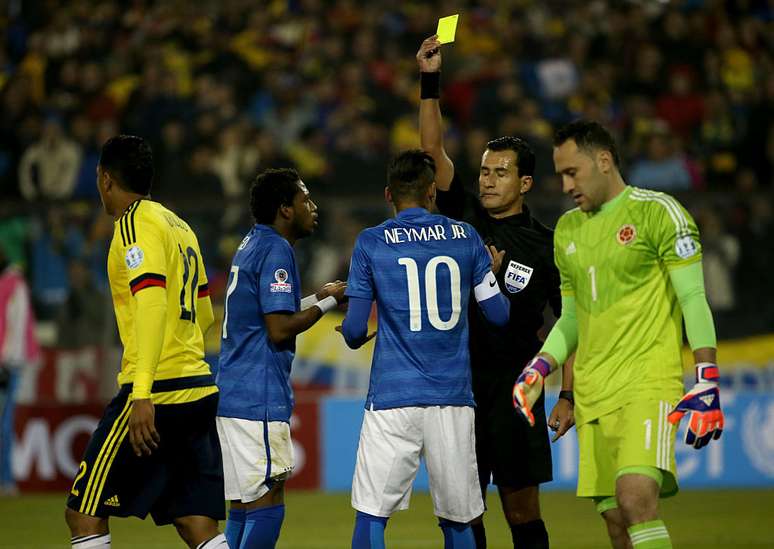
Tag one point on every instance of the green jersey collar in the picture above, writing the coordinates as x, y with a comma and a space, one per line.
613, 204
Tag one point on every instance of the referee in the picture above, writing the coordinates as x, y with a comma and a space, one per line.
516, 457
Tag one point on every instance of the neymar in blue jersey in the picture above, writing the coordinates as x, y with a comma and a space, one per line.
421, 269
263, 315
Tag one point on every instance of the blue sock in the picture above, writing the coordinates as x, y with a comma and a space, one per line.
262, 527
456, 535
235, 525
369, 531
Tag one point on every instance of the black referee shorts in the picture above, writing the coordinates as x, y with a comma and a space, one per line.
182, 477
508, 451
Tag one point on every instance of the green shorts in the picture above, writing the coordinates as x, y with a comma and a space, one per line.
636, 435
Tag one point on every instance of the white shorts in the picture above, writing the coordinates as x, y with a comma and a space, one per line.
250, 468
391, 445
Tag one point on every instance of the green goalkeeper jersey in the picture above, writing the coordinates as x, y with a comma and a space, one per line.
615, 263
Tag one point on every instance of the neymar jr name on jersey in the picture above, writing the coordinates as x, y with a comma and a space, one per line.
403, 235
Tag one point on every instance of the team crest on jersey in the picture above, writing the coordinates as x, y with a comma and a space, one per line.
281, 285
626, 234
570, 248
134, 257
517, 277
686, 247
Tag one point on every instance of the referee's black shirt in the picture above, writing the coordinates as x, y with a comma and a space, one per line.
527, 244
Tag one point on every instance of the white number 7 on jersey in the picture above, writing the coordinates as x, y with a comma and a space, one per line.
229, 291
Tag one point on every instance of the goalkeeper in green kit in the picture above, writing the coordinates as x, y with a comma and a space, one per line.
630, 266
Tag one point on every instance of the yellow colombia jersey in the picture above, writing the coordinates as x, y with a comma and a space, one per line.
615, 263
153, 247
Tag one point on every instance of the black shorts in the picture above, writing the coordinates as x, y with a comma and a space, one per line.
182, 477
508, 451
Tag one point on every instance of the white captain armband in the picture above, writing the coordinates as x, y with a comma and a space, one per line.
487, 288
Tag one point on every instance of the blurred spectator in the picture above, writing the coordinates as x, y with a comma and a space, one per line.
82, 319
737, 69
326, 259
557, 78
758, 143
235, 161
200, 178
646, 77
223, 91
682, 107
720, 255
663, 168
170, 155
49, 167
718, 138
99, 232
18, 349
754, 228
14, 229
55, 243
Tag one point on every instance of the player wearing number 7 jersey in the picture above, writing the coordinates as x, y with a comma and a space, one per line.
630, 267
263, 315
421, 270
156, 447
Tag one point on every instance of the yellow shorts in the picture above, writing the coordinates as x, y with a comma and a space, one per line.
636, 435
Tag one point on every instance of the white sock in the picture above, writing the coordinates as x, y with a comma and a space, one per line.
218, 542
102, 541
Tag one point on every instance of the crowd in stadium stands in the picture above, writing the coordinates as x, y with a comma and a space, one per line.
224, 89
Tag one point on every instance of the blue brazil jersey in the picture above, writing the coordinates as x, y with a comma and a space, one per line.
254, 373
420, 268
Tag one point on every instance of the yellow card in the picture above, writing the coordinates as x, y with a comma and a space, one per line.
447, 27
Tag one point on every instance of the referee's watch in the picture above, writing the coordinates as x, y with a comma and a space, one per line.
567, 395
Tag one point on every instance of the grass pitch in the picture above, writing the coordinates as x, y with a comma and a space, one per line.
738, 519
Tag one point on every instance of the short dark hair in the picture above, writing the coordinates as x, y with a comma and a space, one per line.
525, 157
410, 175
129, 159
271, 189
588, 135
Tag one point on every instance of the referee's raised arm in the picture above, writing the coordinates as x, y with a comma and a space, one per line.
430, 121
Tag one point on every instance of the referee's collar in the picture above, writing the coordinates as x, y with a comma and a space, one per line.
523, 218
412, 212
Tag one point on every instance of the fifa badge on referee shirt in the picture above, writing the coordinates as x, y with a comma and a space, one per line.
517, 277
626, 234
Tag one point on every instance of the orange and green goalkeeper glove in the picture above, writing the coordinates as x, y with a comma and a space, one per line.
703, 404
529, 386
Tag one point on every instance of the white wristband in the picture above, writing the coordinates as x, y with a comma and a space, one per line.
308, 301
327, 304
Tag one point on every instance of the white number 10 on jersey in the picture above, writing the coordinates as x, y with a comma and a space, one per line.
431, 293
